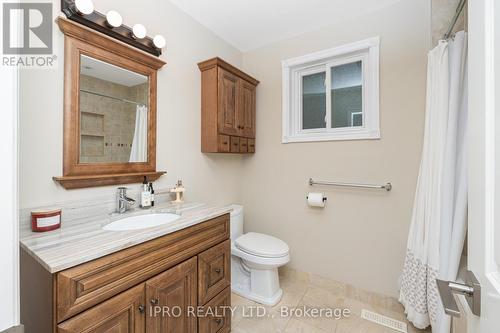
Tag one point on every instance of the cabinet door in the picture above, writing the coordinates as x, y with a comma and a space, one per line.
245, 116
124, 313
228, 99
214, 271
216, 316
174, 293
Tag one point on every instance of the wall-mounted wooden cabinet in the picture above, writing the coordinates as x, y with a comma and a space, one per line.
227, 108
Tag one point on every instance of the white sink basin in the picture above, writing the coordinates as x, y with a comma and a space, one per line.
141, 222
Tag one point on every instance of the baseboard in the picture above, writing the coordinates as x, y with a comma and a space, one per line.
14, 329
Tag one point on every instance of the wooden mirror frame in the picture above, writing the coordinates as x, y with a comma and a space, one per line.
80, 40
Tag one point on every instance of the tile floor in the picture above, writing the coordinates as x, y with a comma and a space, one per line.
303, 289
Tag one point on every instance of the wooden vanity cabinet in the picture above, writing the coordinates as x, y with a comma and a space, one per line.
185, 273
227, 108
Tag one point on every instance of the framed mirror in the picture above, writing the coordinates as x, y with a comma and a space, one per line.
109, 110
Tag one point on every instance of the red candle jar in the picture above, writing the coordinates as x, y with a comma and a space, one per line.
45, 219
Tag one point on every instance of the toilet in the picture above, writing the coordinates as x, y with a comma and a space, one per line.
255, 259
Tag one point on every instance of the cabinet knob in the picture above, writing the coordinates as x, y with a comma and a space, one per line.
218, 270
141, 308
155, 301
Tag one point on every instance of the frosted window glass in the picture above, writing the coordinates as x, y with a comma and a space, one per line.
313, 101
347, 95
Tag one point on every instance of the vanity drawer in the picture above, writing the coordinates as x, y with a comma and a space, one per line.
243, 145
214, 271
235, 144
84, 286
218, 319
251, 145
224, 143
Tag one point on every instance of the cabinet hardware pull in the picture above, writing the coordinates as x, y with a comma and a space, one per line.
218, 270
155, 301
141, 308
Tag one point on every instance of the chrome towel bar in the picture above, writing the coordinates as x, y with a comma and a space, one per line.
386, 187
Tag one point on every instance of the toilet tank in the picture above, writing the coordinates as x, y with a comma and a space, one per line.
236, 221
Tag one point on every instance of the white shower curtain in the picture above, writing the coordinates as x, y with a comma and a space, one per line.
439, 219
139, 151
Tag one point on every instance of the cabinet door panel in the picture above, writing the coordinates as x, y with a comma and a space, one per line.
224, 143
214, 269
174, 291
251, 145
120, 314
235, 144
246, 109
228, 99
243, 145
217, 316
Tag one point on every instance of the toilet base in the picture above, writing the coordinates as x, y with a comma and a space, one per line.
271, 301
255, 283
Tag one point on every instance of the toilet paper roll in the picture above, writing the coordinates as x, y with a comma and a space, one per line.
316, 199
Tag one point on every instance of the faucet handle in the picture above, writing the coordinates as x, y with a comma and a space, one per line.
122, 190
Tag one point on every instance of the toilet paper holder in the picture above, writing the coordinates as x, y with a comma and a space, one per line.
324, 198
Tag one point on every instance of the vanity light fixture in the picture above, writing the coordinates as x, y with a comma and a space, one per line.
112, 25
139, 31
114, 19
159, 41
84, 7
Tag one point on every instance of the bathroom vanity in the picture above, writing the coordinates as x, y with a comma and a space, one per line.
86, 279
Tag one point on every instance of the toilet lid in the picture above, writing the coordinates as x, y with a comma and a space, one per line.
262, 245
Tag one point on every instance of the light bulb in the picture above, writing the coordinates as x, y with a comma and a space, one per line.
139, 31
159, 41
114, 19
84, 7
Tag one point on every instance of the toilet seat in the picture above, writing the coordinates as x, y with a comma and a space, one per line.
262, 245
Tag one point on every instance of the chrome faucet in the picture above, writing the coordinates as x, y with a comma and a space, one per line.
123, 203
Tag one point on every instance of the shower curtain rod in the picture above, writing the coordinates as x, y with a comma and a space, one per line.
459, 10
115, 98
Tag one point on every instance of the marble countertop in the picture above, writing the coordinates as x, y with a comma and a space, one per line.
84, 239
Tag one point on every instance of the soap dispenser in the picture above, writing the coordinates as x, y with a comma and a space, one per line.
145, 194
152, 194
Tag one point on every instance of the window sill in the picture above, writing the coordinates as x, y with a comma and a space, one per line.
319, 137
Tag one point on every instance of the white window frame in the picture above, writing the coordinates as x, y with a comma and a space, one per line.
366, 51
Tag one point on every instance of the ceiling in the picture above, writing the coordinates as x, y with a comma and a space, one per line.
108, 72
249, 24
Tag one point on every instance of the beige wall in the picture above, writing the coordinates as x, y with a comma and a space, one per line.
209, 178
360, 237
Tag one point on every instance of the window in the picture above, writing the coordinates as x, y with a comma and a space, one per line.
332, 94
